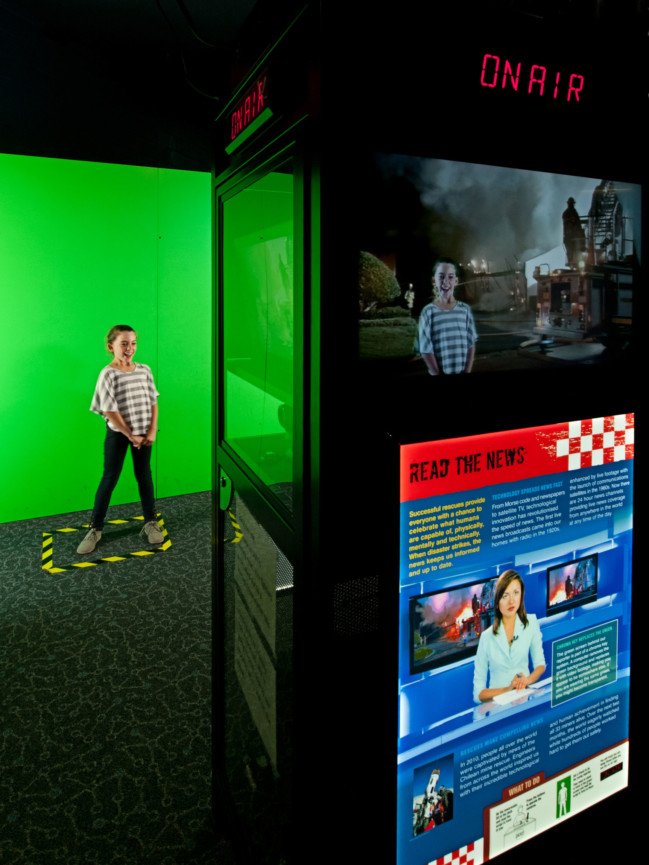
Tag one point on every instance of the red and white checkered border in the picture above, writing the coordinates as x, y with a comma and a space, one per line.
598, 441
471, 854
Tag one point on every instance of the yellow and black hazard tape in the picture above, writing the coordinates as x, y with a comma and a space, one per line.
238, 534
48, 547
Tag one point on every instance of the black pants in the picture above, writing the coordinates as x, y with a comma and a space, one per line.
115, 448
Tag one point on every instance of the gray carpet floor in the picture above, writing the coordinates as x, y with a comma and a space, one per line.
105, 694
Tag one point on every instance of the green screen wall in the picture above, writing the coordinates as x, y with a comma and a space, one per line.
84, 246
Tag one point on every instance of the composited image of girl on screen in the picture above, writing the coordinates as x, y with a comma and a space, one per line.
542, 268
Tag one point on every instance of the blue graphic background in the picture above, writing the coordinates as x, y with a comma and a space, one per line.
438, 719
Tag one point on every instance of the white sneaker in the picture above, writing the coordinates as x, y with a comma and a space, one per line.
151, 531
90, 541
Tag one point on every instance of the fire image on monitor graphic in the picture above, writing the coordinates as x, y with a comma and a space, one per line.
571, 584
445, 625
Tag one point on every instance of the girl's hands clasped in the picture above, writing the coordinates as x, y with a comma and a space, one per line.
149, 438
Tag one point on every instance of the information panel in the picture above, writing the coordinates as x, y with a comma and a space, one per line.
514, 639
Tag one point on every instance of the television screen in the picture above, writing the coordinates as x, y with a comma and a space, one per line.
572, 584
543, 267
445, 625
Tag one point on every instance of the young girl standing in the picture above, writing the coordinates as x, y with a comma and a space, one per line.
127, 398
447, 334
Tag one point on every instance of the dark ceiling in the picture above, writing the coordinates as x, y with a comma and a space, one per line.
141, 81
126, 80
140, 22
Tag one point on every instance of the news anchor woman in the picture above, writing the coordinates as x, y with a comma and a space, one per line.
505, 648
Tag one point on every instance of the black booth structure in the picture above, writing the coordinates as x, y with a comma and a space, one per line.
368, 497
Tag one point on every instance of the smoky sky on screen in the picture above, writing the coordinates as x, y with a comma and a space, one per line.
553, 503
495, 214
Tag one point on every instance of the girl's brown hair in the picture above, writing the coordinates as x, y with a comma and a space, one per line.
117, 328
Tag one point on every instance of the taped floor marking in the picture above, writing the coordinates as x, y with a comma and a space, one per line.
48, 547
238, 534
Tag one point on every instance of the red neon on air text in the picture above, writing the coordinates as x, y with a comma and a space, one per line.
509, 77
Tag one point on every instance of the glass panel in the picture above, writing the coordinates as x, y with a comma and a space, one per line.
258, 327
258, 683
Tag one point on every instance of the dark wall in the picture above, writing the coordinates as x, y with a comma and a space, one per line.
87, 97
